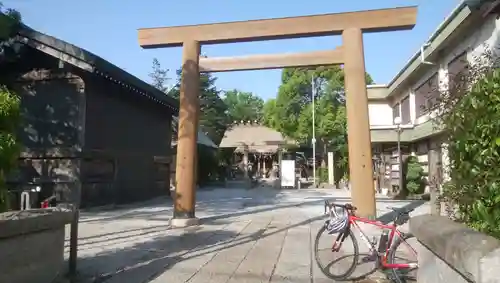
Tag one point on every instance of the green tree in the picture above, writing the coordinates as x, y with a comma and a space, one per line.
213, 121
214, 118
295, 91
9, 147
159, 76
10, 21
291, 112
243, 106
293, 96
269, 113
9, 105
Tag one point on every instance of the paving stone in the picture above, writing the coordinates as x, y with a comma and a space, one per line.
224, 263
294, 263
249, 236
259, 263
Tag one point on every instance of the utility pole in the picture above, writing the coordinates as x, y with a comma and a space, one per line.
313, 141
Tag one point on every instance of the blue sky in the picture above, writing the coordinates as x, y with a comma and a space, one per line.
108, 28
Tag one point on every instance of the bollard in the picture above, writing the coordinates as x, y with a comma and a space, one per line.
25, 201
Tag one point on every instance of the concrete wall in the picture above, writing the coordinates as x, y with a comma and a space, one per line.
451, 252
133, 131
380, 114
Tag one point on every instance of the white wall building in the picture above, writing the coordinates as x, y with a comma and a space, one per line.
472, 27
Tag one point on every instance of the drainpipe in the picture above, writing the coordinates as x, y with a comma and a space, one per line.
422, 54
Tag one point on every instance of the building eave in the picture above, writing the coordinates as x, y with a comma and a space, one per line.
408, 135
90, 62
377, 92
435, 43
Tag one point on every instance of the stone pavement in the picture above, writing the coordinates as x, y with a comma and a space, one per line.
260, 235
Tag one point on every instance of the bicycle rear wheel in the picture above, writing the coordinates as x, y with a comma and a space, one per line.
403, 255
346, 258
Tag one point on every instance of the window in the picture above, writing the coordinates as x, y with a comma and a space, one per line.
426, 95
395, 112
405, 111
458, 73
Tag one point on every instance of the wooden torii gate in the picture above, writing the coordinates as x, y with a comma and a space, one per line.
350, 25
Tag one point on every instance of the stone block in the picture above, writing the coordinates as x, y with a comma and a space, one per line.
452, 252
32, 245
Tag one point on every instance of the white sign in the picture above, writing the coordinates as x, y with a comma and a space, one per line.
287, 173
331, 171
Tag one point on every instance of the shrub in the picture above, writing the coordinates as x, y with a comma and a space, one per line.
471, 120
207, 165
9, 148
414, 176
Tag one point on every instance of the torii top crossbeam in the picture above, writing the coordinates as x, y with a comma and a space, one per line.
280, 28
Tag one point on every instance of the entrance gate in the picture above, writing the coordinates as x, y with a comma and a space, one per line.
350, 25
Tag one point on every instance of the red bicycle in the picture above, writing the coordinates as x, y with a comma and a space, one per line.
341, 226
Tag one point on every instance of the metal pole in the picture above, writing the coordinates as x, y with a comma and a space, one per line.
400, 160
313, 141
73, 243
73, 240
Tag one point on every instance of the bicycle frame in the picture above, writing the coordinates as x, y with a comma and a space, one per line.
393, 232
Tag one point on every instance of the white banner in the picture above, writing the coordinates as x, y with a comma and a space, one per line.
287, 173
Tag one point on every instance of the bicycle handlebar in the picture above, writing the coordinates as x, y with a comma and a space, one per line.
346, 206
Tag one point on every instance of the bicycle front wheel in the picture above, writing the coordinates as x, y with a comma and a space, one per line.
336, 264
402, 252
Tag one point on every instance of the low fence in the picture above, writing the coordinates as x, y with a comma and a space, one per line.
452, 252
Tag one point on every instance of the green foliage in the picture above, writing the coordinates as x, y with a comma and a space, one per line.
269, 116
10, 21
243, 106
213, 111
471, 118
207, 165
414, 176
159, 76
291, 112
322, 174
9, 147
213, 117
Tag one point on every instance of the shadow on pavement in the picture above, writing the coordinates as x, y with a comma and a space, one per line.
146, 260
224, 202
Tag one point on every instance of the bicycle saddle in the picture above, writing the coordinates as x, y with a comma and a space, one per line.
401, 210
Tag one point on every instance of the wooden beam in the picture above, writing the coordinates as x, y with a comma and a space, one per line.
271, 61
358, 125
281, 28
187, 133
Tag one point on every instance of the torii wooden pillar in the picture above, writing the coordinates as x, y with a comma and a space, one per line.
350, 25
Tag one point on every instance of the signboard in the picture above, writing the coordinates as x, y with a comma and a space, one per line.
331, 171
287, 173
